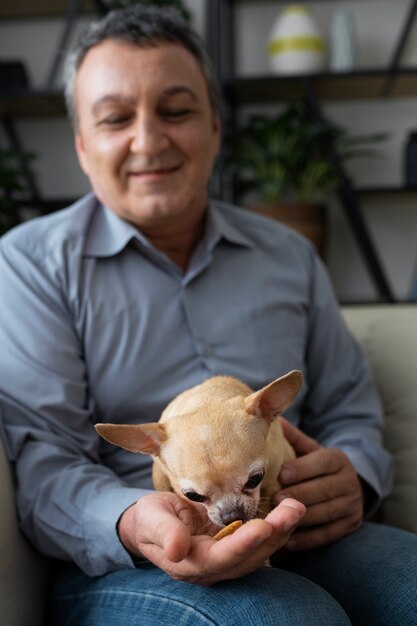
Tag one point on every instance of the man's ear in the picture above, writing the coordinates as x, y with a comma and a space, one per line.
82, 158
272, 400
217, 129
145, 438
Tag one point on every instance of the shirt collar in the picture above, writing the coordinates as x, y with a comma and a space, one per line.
109, 234
222, 224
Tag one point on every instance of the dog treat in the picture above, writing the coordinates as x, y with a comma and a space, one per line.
228, 530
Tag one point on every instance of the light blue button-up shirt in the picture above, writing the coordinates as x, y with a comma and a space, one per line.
96, 325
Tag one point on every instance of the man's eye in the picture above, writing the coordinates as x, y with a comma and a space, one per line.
114, 120
195, 497
176, 114
254, 480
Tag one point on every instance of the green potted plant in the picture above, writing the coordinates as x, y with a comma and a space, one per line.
284, 160
12, 185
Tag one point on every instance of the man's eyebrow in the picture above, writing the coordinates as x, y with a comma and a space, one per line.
178, 90
112, 98
120, 99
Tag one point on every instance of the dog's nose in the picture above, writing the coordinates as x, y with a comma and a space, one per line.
228, 516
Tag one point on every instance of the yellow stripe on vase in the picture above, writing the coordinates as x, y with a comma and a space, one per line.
296, 8
296, 44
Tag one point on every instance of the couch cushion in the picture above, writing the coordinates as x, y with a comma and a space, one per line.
388, 335
23, 574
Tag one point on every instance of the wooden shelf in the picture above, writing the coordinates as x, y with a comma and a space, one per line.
357, 85
32, 104
242, 187
386, 191
360, 84
22, 9
283, 3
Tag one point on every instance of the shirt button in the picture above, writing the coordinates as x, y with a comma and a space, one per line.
206, 351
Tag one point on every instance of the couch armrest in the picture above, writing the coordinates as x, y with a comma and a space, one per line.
388, 335
23, 573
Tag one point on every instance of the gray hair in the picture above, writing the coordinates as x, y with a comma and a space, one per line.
144, 26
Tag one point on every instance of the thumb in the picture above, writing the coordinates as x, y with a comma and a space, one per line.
302, 443
174, 539
164, 522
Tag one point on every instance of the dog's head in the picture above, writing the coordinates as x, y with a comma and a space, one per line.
216, 454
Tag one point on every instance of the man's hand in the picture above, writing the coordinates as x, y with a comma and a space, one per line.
170, 532
325, 481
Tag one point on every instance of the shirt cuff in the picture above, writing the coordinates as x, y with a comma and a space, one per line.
105, 552
377, 487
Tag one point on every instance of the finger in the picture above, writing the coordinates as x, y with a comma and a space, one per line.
244, 541
331, 511
286, 516
323, 535
236, 555
321, 489
256, 540
302, 443
210, 561
168, 524
317, 463
176, 542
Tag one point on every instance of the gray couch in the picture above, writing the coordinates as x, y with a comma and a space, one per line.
389, 337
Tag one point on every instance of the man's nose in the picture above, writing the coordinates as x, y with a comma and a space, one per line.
149, 136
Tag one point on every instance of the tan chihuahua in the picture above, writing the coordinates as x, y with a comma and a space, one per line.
218, 444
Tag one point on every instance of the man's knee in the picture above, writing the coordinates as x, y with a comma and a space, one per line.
148, 597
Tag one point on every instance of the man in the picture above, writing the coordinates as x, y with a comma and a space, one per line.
145, 288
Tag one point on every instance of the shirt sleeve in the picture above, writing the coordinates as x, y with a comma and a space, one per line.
68, 501
342, 407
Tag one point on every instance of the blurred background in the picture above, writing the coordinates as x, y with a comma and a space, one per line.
363, 85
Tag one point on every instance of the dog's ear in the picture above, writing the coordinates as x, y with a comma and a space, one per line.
272, 400
146, 438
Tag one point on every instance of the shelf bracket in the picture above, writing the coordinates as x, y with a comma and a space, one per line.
399, 49
219, 43
351, 206
74, 8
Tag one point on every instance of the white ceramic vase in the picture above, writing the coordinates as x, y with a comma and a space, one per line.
296, 45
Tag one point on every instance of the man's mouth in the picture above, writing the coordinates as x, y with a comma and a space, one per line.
155, 172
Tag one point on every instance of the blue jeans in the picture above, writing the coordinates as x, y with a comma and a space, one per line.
369, 578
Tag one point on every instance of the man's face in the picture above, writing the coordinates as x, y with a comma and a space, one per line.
147, 137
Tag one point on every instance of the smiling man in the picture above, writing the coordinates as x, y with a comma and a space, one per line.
147, 138
144, 288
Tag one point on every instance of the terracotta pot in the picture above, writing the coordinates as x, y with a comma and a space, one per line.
307, 219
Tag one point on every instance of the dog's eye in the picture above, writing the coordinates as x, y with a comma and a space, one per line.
254, 480
195, 497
